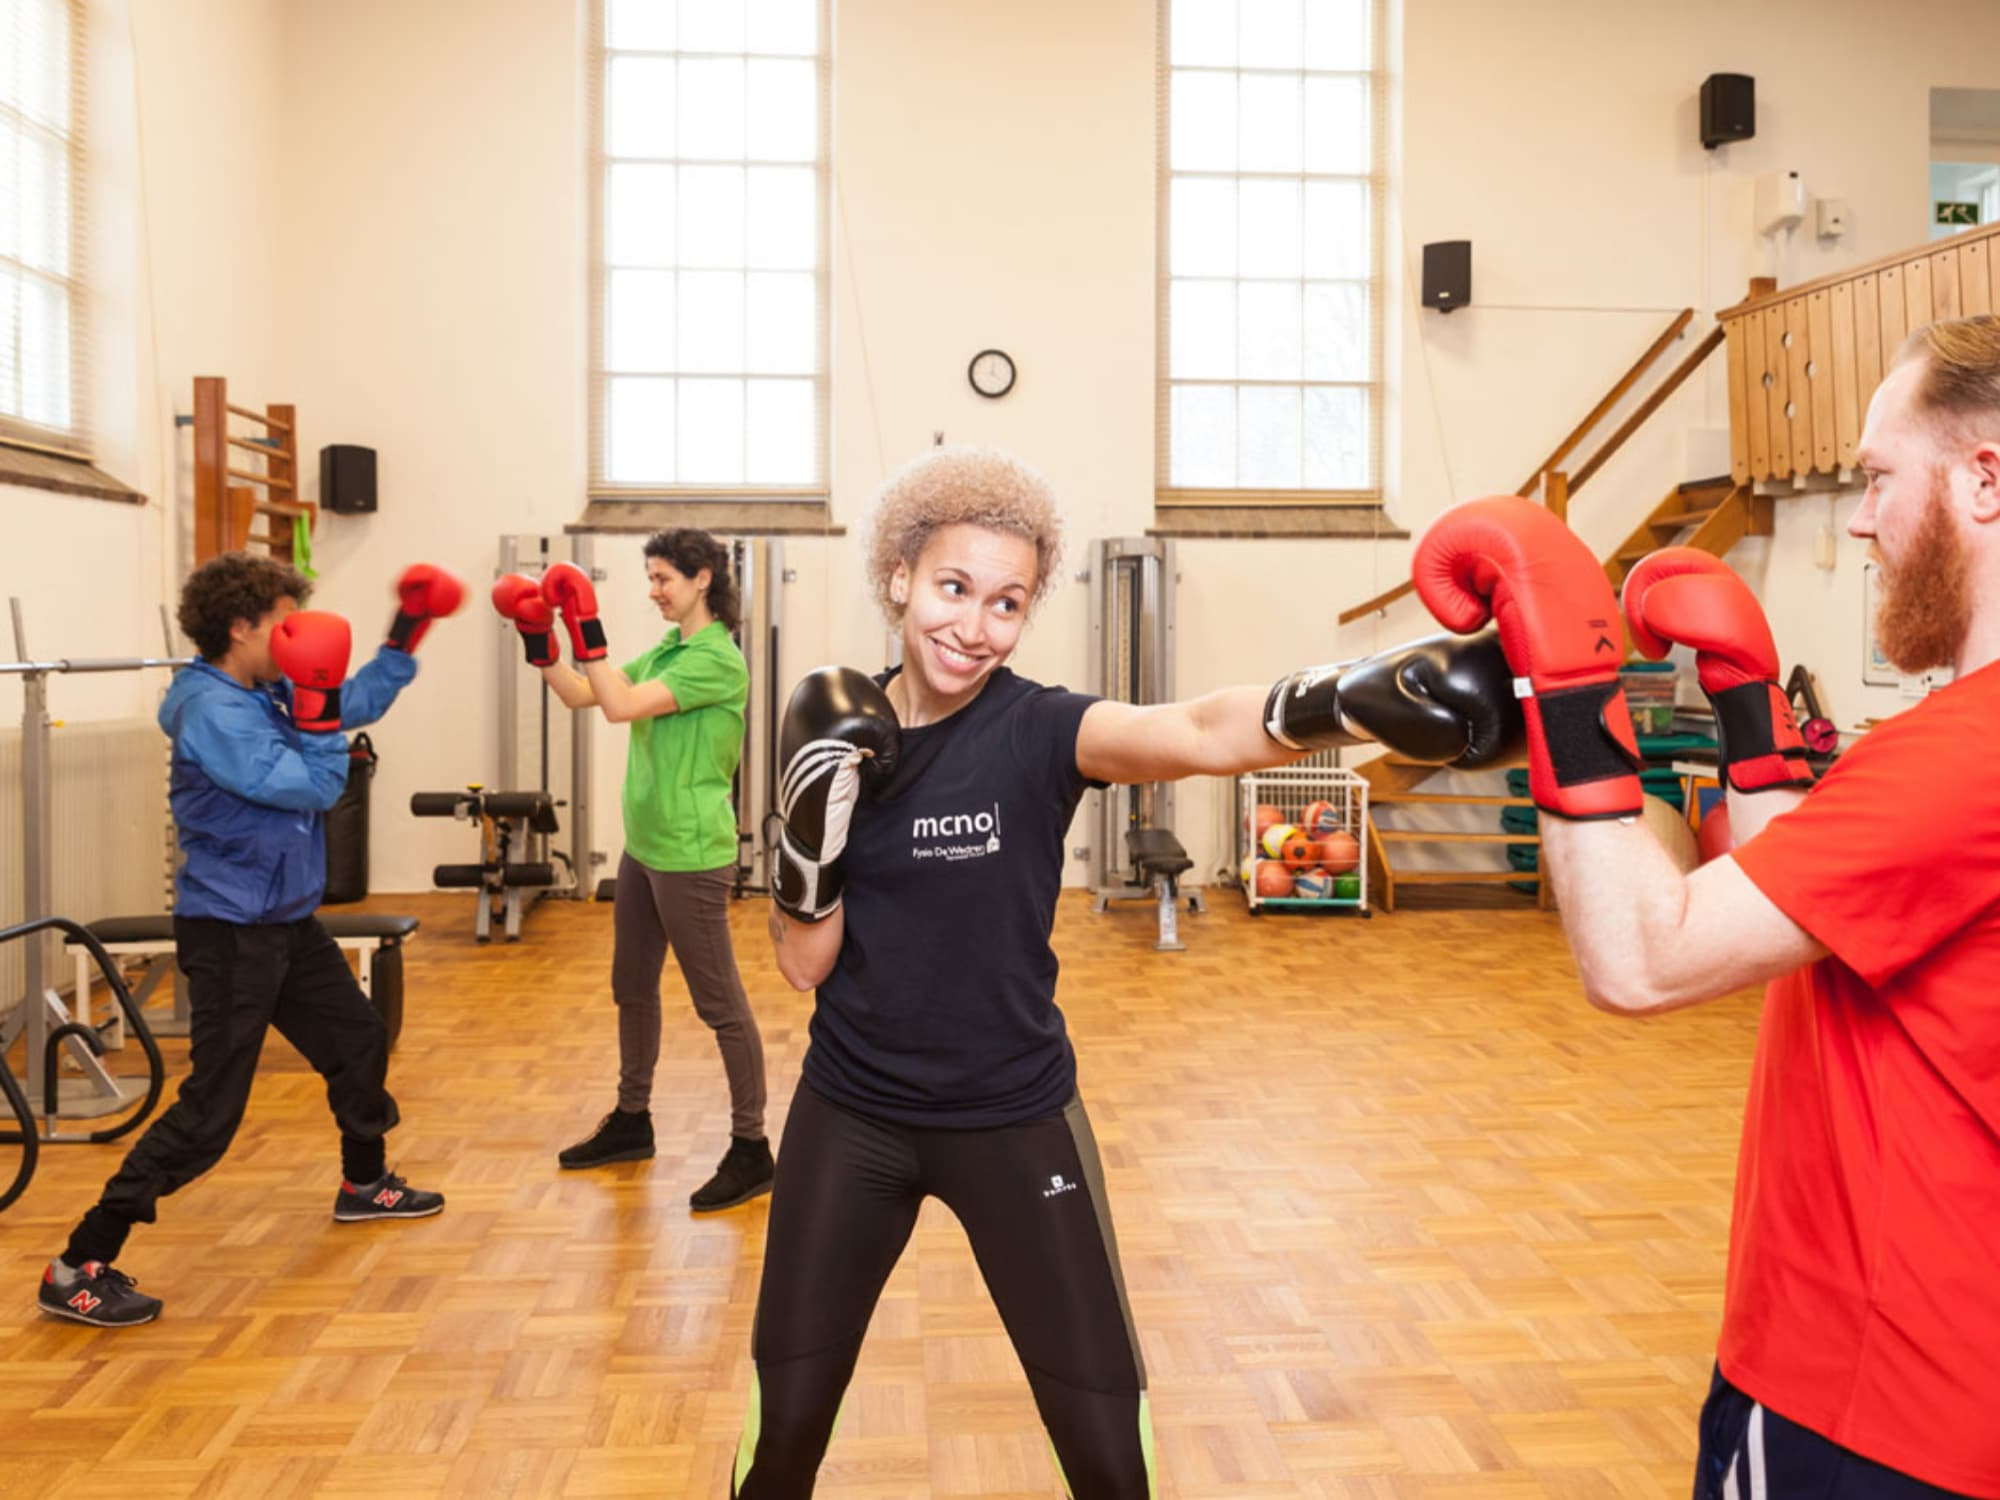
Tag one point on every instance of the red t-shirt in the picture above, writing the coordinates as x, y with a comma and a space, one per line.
1864, 1261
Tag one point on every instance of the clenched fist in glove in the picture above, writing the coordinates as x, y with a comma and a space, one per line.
1509, 560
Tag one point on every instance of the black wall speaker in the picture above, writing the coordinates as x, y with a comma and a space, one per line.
1448, 274
1728, 108
347, 478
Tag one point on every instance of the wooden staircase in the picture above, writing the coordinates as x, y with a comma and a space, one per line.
1710, 514
1392, 782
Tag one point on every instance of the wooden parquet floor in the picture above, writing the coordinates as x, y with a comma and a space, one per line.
1402, 1218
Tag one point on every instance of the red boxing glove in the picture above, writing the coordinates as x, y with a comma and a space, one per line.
424, 593
1682, 596
1509, 560
520, 599
310, 647
568, 588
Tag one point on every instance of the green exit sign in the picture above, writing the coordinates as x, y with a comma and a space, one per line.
1958, 213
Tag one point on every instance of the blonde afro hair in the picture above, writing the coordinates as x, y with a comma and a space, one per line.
962, 487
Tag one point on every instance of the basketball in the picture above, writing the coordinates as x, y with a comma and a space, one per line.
1262, 817
1273, 879
1312, 885
1320, 819
1338, 852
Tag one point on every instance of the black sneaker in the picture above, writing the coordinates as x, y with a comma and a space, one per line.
744, 1173
391, 1198
622, 1135
95, 1294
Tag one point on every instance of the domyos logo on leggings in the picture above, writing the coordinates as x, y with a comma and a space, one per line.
956, 836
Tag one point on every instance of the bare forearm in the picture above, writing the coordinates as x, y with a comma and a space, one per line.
1623, 902
1750, 812
573, 690
1229, 736
806, 950
610, 691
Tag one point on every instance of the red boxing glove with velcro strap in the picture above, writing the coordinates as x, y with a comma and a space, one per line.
1508, 559
311, 647
1683, 596
568, 588
520, 599
424, 593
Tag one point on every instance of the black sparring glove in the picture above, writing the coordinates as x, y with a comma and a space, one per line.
839, 732
1444, 700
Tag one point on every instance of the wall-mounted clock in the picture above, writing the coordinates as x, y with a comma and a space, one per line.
991, 373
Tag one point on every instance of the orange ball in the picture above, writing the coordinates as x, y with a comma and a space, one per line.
1289, 844
1338, 852
1273, 879
1264, 816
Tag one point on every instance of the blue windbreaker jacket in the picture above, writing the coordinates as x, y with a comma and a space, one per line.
248, 788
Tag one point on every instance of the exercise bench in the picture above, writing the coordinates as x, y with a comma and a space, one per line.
378, 938
499, 877
1158, 862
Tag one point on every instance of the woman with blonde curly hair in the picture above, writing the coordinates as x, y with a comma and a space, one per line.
916, 885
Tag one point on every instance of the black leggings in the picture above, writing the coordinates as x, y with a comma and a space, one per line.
1031, 1198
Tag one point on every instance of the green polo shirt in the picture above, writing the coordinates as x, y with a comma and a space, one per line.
677, 777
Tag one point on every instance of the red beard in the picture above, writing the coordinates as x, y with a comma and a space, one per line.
1926, 608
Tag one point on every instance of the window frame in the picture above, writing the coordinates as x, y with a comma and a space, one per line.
76, 440
1168, 497
599, 486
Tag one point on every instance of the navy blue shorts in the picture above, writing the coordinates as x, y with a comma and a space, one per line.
1749, 1452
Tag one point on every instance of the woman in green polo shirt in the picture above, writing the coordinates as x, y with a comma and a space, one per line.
684, 700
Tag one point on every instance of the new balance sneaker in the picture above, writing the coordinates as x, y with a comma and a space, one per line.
95, 1294
744, 1173
622, 1135
391, 1198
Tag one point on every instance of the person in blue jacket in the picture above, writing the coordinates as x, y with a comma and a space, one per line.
248, 789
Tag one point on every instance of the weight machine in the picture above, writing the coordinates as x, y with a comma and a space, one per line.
1134, 853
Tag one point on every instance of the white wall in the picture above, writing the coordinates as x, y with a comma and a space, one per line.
184, 264
1560, 136
377, 210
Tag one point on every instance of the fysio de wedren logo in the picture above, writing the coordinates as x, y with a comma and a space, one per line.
1058, 1185
956, 836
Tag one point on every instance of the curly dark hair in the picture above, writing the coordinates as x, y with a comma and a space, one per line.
235, 586
689, 550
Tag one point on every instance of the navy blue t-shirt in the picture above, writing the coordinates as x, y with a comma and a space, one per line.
940, 1009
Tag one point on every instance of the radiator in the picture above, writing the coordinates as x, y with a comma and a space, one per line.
110, 835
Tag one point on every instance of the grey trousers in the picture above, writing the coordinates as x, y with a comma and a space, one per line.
687, 911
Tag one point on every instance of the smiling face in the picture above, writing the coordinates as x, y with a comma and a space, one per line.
964, 601
674, 594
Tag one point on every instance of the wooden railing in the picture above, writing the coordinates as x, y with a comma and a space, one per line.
1804, 362
1550, 482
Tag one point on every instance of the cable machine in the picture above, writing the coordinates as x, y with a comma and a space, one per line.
1134, 853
